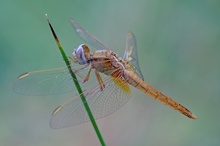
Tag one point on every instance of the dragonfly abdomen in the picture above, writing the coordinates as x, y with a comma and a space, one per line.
137, 82
168, 101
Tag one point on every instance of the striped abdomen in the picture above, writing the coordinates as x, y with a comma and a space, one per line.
137, 82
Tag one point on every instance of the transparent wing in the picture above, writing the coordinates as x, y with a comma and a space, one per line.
130, 54
101, 103
52, 81
87, 37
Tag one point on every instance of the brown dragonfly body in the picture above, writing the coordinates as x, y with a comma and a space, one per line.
107, 62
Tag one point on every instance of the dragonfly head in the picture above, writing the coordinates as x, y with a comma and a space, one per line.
81, 54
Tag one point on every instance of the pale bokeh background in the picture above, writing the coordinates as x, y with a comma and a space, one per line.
179, 53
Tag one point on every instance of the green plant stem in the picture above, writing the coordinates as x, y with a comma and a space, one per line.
77, 86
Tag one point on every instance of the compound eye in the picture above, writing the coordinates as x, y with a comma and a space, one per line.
86, 49
80, 54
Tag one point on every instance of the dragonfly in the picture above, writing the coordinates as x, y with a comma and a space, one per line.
105, 77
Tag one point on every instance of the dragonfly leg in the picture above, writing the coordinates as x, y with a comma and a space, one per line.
72, 59
88, 74
100, 81
78, 70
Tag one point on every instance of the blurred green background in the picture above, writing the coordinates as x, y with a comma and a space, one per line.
179, 54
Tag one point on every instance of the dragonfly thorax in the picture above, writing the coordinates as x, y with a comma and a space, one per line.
81, 54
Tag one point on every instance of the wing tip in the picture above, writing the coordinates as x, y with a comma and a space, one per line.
56, 110
72, 20
23, 75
